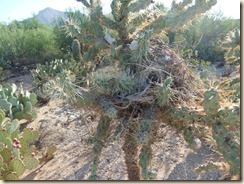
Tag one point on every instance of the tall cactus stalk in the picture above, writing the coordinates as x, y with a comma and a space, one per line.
76, 49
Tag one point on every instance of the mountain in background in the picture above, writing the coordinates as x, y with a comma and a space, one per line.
49, 15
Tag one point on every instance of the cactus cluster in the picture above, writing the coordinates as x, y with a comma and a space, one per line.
128, 50
44, 73
16, 152
58, 78
51, 69
222, 122
17, 103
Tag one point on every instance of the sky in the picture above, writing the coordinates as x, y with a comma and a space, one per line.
21, 9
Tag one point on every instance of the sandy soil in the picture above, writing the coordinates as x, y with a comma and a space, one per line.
64, 127
69, 128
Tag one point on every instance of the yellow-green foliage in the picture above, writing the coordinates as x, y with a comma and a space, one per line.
26, 42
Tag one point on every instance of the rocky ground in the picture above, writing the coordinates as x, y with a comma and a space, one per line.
68, 129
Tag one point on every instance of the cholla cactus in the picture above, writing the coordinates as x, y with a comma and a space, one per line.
232, 45
143, 72
126, 21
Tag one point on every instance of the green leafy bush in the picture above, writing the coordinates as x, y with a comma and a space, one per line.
26, 42
207, 42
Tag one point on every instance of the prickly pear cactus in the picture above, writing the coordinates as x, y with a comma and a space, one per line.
18, 166
211, 102
16, 151
227, 142
5, 105
222, 122
17, 103
227, 146
163, 94
30, 162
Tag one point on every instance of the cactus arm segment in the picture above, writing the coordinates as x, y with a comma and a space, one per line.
85, 3
139, 5
174, 21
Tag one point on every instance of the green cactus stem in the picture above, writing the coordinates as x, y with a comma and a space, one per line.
76, 49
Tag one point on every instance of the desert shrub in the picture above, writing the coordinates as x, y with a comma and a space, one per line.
63, 41
4, 63
205, 35
1, 74
192, 59
27, 42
